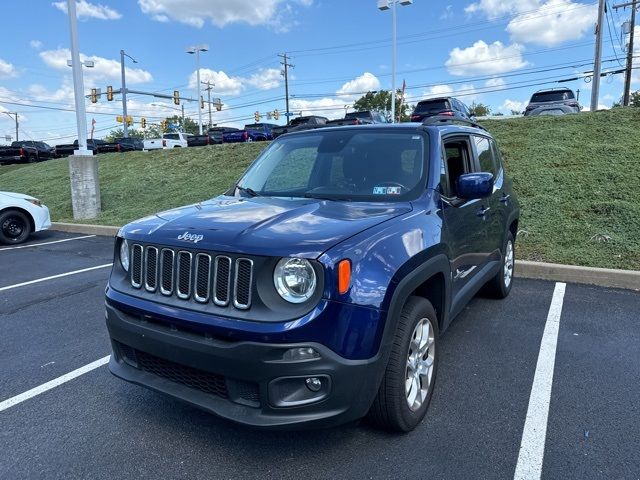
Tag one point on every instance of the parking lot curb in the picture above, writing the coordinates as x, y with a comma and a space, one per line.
602, 277
85, 229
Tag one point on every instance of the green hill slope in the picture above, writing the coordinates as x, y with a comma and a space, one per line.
577, 178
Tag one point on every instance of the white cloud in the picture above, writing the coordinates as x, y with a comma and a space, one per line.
553, 23
85, 9
224, 84
447, 13
482, 59
265, 79
366, 82
221, 12
36, 44
439, 91
494, 83
104, 69
7, 70
514, 105
493, 9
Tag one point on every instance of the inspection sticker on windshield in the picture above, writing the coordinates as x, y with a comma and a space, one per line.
386, 190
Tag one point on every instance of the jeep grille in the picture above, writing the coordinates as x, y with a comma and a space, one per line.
200, 277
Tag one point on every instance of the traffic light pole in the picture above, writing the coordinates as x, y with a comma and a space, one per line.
286, 65
125, 126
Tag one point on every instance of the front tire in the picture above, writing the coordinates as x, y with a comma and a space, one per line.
500, 285
15, 227
407, 385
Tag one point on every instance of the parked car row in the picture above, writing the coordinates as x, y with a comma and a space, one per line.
26, 151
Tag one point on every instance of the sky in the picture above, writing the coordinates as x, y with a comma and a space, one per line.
497, 52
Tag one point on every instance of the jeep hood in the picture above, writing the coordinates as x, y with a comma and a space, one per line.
267, 226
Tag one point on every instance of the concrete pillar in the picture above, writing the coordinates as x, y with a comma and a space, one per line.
85, 189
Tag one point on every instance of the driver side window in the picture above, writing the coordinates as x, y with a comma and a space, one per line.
457, 161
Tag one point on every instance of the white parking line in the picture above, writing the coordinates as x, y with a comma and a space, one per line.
52, 277
10, 402
46, 243
531, 456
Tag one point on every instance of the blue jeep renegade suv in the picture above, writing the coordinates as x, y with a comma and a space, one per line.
314, 291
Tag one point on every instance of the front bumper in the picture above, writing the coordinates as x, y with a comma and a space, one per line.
246, 382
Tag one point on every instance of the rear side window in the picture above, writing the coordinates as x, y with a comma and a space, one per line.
433, 106
553, 96
485, 155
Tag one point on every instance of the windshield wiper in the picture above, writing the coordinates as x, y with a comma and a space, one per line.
320, 196
249, 191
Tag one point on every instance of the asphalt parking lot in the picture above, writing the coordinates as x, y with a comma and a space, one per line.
492, 357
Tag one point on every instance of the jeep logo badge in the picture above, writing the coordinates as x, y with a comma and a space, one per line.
190, 237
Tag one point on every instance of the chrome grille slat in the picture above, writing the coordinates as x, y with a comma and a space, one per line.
183, 274
167, 257
151, 269
242, 282
194, 276
202, 285
136, 266
221, 280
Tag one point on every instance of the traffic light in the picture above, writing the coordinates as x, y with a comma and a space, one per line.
201, 102
176, 97
257, 116
143, 122
163, 124
218, 105
94, 95
119, 119
109, 93
276, 114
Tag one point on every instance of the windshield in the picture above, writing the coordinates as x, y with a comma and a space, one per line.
171, 136
557, 96
434, 106
341, 165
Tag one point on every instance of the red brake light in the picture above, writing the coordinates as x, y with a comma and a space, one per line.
22, 152
118, 148
245, 135
415, 118
447, 113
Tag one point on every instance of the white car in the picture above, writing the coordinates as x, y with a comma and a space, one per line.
20, 216
168, 140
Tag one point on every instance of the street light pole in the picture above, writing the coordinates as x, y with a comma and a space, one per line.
197, 49
386, 5
78, 82
597, 62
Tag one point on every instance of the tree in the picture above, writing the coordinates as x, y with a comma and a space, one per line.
634, 100
479, 109
516, 112
381, 101
119, 133
175, 124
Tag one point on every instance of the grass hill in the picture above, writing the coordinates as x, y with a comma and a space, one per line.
577, 178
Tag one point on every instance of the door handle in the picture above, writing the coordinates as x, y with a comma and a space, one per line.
505, 198
483, 211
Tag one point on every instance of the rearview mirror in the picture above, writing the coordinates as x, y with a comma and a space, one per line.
475, 185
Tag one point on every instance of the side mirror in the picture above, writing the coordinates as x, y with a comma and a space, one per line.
475, 185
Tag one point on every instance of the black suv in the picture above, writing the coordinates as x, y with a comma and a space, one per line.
446, 106
561, 100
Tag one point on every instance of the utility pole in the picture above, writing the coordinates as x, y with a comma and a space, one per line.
15, 114
597, 64
208, 89
285, 73
627, 79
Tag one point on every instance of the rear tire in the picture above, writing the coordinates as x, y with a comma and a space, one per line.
407, 386
32, 159
500, 285
15, 227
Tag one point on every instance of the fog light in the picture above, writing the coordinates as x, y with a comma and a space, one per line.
302, 353
313, 383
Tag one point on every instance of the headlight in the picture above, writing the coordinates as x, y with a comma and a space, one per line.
35, 201
124, 255
294, 279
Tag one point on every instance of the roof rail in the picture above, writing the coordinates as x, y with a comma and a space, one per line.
443, 119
